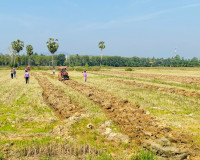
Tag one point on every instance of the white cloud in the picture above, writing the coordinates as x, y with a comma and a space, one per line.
122, 21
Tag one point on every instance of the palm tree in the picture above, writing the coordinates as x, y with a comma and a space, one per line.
101, 46
29, 51
52, 46
17, 46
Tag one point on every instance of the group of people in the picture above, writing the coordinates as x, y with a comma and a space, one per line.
26, 75
13, 73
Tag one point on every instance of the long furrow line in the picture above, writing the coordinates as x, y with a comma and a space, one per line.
60, 103
160, 88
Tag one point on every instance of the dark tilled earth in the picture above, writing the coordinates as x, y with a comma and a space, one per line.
58, 100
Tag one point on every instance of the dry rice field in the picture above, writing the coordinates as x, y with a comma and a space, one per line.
147, 113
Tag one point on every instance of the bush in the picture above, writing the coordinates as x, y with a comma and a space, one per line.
80, 69
128, 69
70, 68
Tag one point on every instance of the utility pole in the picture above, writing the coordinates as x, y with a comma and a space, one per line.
175, 52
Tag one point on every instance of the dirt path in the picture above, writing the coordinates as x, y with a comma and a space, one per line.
142, 128
181, 79
57, 99
160, 88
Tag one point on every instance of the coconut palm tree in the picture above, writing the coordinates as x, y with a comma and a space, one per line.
29, 51
101, 46
52, 46
17, 46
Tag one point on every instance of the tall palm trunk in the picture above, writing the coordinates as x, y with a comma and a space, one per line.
53, 65
28, 60
101, 58
18, 60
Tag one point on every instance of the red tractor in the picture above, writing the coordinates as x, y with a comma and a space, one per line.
63, 75
28, 68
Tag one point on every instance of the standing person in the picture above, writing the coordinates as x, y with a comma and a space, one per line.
85, 76
26, 76
11, 73
25, 69
14, 72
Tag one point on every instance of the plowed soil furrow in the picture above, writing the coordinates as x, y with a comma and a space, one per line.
142, 128
160, 88
60, 103
174, 78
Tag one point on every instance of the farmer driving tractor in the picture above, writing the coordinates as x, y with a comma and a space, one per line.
63, 75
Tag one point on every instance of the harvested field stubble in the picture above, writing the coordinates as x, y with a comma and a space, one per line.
57, 99
55, 149
160, 88
139, 126
174, 78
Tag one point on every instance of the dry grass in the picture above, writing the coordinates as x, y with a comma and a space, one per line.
179, 112
24, 117
28, 127
174, 71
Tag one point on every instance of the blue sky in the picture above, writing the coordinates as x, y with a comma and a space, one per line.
143, 28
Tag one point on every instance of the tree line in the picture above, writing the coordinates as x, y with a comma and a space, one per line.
34, 60
117, 61
85, 60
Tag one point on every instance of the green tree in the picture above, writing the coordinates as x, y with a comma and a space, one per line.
86, 65
61, 59
77, 60
29, 51
101, 46
18, 60
52, 46
23, 59
17, 46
